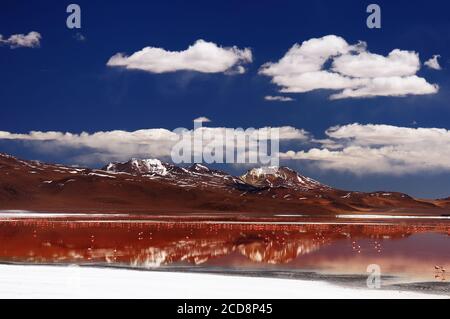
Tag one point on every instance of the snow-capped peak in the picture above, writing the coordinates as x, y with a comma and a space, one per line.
139, 166
262, 171
273, 176
268, 171
150, 166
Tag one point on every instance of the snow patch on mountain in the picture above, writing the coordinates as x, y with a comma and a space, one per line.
274, 176
151, 166
139, 166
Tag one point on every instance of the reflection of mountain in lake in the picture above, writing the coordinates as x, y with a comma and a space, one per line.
273, 253
147, 245
269, 251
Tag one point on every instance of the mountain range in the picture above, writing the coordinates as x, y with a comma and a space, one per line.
150, 186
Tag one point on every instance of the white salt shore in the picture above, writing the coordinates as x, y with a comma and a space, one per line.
23, 281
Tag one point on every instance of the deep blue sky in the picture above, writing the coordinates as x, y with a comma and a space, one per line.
65, 85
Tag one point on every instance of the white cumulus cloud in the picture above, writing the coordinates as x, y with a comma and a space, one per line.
30, 40
433, 63
389, 86
122, 145
202, 56
385, 149
332, 63
369, 65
